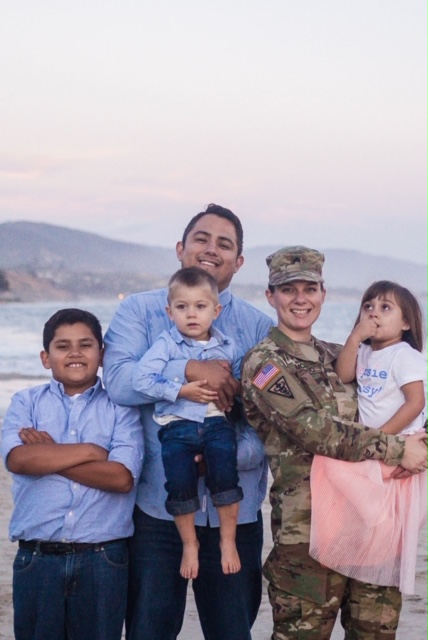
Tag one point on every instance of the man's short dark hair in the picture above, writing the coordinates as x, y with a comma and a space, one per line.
71, 316
221, 212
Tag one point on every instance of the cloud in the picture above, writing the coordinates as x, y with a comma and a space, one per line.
33, 167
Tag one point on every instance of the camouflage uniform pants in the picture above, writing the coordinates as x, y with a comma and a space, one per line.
306, 598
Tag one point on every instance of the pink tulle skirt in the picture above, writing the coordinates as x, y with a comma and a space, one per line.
365, 525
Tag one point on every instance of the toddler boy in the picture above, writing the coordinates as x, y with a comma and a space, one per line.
190, 421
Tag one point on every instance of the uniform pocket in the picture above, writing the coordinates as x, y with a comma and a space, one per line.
291, 569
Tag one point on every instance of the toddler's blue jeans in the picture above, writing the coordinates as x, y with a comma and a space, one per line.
181, 441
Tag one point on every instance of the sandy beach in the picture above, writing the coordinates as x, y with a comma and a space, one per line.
413, 623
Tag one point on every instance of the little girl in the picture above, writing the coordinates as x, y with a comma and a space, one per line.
365, 524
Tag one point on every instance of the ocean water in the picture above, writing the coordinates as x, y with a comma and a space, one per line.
21, 326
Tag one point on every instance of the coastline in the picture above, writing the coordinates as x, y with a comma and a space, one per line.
413, 622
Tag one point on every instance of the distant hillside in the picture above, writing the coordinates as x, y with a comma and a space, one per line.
48, 262
35, 246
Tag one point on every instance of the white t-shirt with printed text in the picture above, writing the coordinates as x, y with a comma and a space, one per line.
380, 376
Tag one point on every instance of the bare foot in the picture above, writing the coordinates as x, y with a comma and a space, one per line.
230, 561
190, 560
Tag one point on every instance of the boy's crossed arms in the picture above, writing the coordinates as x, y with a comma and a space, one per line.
86, 463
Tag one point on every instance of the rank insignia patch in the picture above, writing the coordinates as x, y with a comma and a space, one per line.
264, 376
281, 388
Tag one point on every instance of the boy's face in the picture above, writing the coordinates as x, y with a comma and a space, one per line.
74, 356
193, 310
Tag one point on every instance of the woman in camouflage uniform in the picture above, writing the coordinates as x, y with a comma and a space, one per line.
299, 407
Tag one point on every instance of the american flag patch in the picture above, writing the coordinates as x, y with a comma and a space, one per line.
268, 372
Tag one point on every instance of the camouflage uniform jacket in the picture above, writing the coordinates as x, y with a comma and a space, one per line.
299, 407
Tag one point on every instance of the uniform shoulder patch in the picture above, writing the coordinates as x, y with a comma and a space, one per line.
263, 377
281, 388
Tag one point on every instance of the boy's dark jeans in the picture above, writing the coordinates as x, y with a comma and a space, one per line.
181, 441
72, 595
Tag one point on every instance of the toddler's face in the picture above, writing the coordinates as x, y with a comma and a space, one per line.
193, 310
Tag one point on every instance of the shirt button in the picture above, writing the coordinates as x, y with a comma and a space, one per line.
71, 514
73, 432
75, 485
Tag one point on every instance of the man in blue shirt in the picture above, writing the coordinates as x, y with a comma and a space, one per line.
227, 604
75, 459
190, 421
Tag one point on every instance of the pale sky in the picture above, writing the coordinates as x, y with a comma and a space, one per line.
305, 117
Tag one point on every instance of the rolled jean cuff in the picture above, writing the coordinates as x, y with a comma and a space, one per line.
177, 508
224, 498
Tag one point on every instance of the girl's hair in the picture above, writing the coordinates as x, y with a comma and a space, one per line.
410, 308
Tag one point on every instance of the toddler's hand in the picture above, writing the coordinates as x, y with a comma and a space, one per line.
197, 392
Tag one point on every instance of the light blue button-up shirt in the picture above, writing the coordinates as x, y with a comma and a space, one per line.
149, 377
51, 507
134, 328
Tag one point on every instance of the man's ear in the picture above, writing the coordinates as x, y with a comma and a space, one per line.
44, 357
239, 262
179, 250
101, 357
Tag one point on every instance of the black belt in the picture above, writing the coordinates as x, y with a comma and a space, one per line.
59, 548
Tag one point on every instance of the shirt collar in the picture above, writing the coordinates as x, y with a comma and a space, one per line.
319, 350
216, 337
225, 296
295, 349
58, 389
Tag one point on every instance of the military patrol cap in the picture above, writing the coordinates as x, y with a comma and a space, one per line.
295, 263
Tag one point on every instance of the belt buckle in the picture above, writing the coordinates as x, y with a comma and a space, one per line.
56, 548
